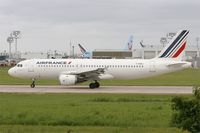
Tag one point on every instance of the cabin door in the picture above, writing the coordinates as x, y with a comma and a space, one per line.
152, 67
30, 67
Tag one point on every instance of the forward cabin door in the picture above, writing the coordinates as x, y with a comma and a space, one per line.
152, 67
30, 66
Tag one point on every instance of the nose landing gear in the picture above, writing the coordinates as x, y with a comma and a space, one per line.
33, 83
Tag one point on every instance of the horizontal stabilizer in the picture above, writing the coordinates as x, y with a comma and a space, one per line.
177, 64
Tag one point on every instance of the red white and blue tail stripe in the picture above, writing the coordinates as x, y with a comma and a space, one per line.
176, 46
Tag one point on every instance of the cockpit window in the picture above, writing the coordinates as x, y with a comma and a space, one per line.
19, 65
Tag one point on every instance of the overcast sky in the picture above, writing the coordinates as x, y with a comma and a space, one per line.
96, 24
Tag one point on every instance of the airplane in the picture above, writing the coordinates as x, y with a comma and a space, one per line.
141, 44
85, 53
129, 44
73, 71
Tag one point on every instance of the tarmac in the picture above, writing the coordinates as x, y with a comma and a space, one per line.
102, 89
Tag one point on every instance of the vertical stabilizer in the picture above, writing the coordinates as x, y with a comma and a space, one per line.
83, 51
176, 46
129, 44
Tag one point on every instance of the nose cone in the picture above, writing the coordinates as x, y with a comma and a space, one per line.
11, 72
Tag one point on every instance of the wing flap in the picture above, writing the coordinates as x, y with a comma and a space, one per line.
95, 71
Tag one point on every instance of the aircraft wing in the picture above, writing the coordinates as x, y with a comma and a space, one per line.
87, 74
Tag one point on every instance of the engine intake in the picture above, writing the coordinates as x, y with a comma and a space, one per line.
67, 79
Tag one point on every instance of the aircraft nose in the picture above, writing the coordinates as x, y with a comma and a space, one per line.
11, 71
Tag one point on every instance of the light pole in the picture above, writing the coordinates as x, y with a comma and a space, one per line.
10, 40
163, 41
170, 35
70, 49
73, 51
197, 39
16, 34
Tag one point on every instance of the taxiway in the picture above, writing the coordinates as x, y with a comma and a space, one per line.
103, 89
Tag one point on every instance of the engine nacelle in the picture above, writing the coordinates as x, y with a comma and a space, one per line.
67, 79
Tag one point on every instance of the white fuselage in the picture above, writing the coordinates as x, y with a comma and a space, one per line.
114, 68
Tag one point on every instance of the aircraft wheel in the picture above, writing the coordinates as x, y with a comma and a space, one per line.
32, 85
92, 85
97, 84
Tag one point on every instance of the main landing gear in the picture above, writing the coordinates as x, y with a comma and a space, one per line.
33, 83
94, 85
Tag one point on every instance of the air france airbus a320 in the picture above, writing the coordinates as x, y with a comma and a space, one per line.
73, 71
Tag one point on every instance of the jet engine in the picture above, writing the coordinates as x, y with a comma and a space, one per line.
67, 79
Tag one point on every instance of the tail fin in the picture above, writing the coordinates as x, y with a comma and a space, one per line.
175, 47
129, 43
82, 49
141, 44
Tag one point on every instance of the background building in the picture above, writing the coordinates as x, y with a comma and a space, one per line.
112, 54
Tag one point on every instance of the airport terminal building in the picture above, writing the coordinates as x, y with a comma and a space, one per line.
111, 54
